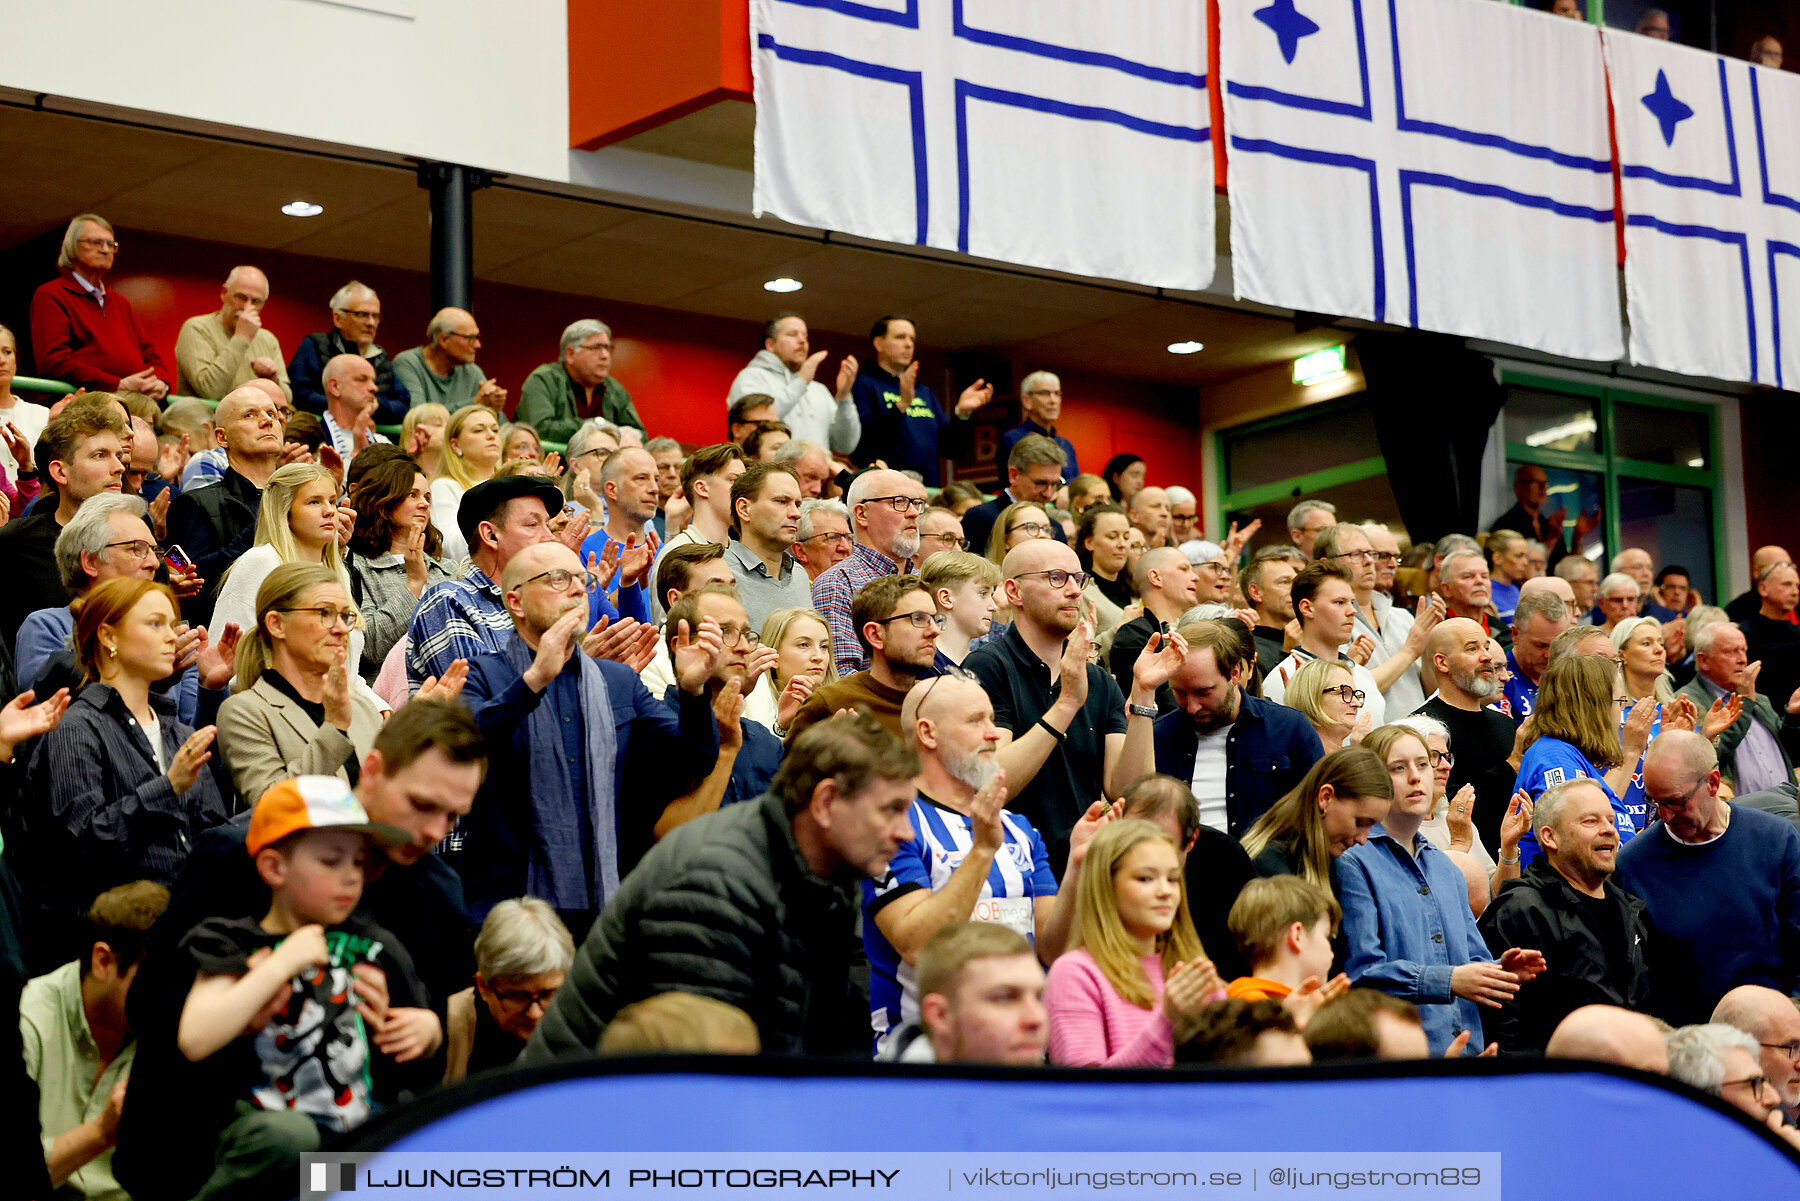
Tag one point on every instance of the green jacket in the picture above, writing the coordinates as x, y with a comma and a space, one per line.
553, 403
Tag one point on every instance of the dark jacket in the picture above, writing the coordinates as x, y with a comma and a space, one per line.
978, 522
214, 524
1540, 911
725, 907
28, 546
306, 371
1269, 750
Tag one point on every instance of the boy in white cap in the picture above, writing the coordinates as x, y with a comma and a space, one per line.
271, 1049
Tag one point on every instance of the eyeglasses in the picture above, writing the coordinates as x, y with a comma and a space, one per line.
473, 339
362, 314
1058, 578
1036, 529
1683, 802
101, 243
950, 541
327, 615
137, 548
1358, 556
558, 579
1384, 556
836, 538
524, 1000
1442, 759
920, 621
954, 672
732, 635
902, 504
1756, 1084
1771, 569
1791, 1050
1347, 694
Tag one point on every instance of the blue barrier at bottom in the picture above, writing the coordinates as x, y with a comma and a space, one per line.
1474, 1129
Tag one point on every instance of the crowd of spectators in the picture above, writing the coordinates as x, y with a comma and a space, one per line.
339, 765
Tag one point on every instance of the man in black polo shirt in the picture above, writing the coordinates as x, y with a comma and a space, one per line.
1066, 739
1484, 741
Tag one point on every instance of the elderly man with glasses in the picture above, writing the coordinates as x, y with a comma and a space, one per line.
443, 370
822, 539
885, 507
1722, 882
1773, 1020
565, 732
84, 333
355, 318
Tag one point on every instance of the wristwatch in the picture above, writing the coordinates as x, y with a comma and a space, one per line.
1142, 711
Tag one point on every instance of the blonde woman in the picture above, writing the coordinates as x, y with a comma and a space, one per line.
1643, 659
471, 456
422, 435
802, 643
1333, 809
1325, 693
1134, 968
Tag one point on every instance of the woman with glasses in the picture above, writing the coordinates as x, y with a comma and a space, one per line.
1575, 732
519, 440
297, 523
1327, 696
802, 644
393, 554
522, 956
1017, 524
126, 783
1408, 927
295, 712
422, 436
471, 456
1101, 542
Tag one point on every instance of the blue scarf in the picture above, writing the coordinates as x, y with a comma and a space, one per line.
556, 872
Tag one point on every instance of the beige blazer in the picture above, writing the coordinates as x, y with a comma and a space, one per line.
266, 738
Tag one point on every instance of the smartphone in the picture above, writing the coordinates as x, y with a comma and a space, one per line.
178, 560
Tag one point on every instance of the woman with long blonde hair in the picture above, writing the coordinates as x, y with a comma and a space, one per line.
1331, 810
471, 456
802, 643
1134, 968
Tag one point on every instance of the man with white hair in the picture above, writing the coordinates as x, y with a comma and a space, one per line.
559, 396
1463, 583
1399, 637
822, 540
82, 332
1773, 1020
884, 522
812, 466
443, 370
355, 318
1566, 906
784, 369
1619, 597
1751, 757
1306, 519
968, 859
1040, 404
1184, 515
1722, 882
216, 352
350, 402
1723, 1060
1584, 580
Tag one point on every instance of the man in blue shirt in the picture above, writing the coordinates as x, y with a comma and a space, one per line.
903, 423
1040, 401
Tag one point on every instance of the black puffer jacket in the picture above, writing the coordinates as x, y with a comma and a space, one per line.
723, 907
1541, 912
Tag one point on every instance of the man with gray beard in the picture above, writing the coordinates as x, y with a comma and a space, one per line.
969, 858
1484, 742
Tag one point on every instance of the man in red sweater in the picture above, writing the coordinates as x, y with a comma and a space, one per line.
82, 333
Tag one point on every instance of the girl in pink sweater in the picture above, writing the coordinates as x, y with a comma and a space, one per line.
1134, 969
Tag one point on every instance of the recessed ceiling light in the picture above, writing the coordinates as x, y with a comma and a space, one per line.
302, 208
784, 284
1186, 347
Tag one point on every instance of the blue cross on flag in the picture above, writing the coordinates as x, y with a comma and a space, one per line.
1065, 134
1442, 164
1710, 170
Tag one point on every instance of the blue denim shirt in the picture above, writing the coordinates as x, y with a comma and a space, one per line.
1407, 924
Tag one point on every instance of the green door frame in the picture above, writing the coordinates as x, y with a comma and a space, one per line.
1226, 499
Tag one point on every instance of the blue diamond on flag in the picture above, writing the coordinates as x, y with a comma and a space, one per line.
1288, 24
1668, 111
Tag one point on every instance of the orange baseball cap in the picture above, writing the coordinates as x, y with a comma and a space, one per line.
312, 803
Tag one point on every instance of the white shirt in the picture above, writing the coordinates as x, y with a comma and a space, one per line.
1406, 693
153, 731
344, 441
1210, 768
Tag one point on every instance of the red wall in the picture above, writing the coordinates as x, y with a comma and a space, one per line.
677, 366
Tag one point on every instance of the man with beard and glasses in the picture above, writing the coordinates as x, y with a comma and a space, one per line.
884, 521
969, 859
1239, 753
1484, 742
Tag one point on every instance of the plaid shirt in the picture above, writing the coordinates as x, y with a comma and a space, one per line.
832, 593
457, 619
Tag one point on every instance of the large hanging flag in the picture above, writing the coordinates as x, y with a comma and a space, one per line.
1065, 134
1709, 154
1442, 164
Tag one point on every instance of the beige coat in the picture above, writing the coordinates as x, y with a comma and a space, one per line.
266, 738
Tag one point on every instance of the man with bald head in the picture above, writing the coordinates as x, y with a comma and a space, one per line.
1609, 1034
216, 352
968, 859
884, 525
350, 399
1167, 585
1773, 1020
216, 523
564, 731
355, 318
1636, 562
628, 485
1148, 509
1748, 602
1483, 740
1066, 737
1539, 615
1722, 882
443, 370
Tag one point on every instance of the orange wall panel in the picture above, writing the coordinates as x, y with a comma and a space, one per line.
633, 66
